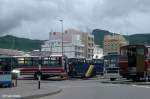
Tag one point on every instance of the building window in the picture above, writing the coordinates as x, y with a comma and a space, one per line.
58, 43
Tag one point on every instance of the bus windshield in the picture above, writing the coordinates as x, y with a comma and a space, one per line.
5, 63
132, 51
111, 60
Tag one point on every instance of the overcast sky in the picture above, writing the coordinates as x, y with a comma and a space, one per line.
36, 18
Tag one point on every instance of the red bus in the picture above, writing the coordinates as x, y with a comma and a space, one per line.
135, 61
54, 65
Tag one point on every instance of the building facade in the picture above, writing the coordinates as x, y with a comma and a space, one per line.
88, 41
72, 45
98, 52
76, 44
112, 43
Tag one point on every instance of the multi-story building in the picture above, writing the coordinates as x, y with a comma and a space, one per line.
75, 43
72, 45
98, 52
112, 43
88, 41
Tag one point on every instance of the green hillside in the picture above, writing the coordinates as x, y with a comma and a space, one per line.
99, 36
133, 39
139, 38
12, 42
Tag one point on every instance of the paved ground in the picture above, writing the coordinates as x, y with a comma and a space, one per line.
78, 89
28, 89
94, 89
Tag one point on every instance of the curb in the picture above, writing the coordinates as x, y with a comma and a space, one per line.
41, 95
136, 83
116, 82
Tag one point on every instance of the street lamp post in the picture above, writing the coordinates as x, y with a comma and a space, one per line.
62, 36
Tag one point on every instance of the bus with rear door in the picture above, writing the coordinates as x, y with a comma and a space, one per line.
134, 61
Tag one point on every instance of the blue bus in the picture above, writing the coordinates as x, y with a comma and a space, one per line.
5, 71
77, 67
98, 66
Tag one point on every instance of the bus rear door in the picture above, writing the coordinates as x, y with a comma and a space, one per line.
136, 65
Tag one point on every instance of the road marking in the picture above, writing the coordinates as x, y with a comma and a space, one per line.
86, 86
139, 86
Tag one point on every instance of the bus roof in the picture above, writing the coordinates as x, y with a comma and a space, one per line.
25, 56
135, 45
40, 56
4, 56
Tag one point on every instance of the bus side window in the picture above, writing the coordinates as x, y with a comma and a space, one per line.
148, 55
124, 52
21, 60
60, 61
1, 66
35, 61
6, 66
128, 52
140, 51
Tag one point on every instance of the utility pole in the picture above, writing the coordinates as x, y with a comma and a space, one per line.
61, 21
50, 42
39, 73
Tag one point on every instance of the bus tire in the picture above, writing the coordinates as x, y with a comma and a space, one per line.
136, 78
112, 79
64, 77
36, 75
44, 77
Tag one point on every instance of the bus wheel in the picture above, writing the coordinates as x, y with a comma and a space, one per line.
136, 78
112, 79
64, 77
36, 75
44, 77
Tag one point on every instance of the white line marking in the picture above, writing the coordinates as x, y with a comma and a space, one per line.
84, 86
139, 86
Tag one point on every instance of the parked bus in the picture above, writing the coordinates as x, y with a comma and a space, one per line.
135, 61
5, 71
77, 67
98, 66
54, 65
111, 66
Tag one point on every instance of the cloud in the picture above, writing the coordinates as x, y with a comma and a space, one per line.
36, 18
127, 16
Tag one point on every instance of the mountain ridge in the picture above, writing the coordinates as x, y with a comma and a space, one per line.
142, 38
25, 44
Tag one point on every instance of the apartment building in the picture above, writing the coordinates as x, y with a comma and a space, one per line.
112, 43
88, 41
98, 52
72, 45
75, 43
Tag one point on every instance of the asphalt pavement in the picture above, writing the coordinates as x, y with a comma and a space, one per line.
28, 89
94, 88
